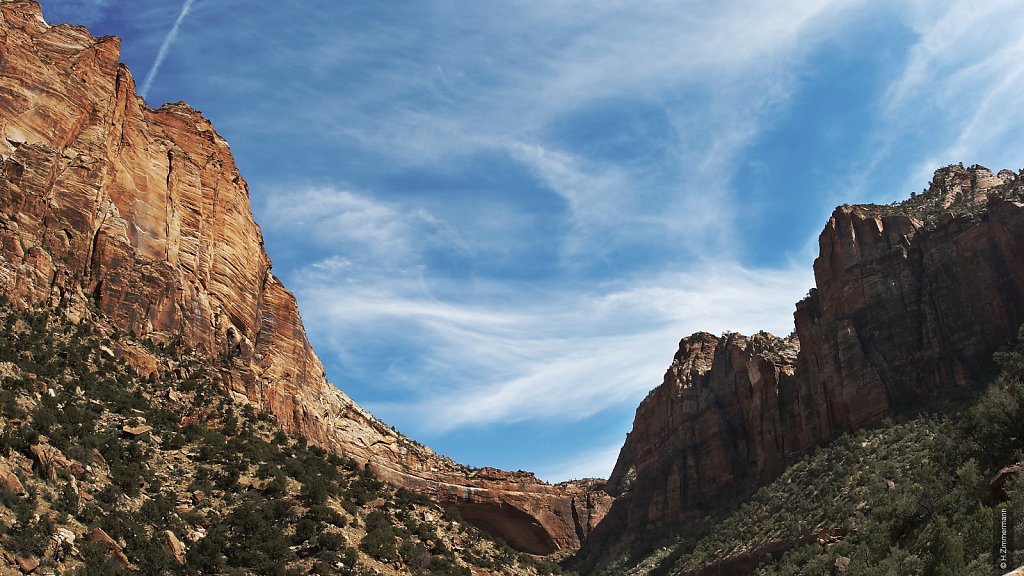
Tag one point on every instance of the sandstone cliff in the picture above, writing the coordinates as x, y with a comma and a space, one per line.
117, 212
711, 423
912, 299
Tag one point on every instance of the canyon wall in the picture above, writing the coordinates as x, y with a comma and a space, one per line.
911, 300
120, 213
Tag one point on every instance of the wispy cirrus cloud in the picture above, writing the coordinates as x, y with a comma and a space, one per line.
498, 355
349, 223
952, 98
969, 64
358, 234
530, 80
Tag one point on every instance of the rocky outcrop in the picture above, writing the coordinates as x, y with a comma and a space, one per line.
517, 505
10, 483
712, 423
173, 546
112, 550
912, 300
120, 213
47, 460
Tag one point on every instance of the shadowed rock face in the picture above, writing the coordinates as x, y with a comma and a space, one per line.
710, 424
912, 300
140, 215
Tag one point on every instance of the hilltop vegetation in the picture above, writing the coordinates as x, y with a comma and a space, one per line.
105, 472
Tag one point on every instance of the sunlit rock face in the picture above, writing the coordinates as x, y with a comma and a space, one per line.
911, 302
113, 210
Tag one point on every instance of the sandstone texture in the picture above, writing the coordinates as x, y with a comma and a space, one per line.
911, 300
116, 211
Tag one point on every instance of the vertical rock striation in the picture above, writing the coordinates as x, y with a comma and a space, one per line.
115, 211
912, 300
714, 421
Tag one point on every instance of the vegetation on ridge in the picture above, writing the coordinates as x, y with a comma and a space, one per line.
103, 472
952, 197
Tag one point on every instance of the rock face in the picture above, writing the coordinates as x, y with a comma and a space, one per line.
137, 216
912, 299
712, 423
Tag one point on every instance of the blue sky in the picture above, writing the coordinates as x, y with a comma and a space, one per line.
500, 218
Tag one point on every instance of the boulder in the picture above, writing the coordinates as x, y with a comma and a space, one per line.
173, 546
114, 551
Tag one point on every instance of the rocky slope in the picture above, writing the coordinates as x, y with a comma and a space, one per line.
139, 215
912, 299
103, 471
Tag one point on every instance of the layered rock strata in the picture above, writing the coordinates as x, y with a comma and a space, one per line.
117, 212
912, 299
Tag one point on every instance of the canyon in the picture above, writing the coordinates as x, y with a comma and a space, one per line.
139, 217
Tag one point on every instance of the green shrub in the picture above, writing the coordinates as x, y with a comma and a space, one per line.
379, 540
326, 515
331, 541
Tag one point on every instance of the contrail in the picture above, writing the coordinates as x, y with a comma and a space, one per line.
164, 47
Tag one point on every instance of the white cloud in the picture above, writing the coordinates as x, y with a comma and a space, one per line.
596, 195
954, 99
356, 228
504, 79
494, 356
953, 38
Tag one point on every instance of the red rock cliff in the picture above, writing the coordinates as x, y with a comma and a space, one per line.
114, 210
911, 300
712, 422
